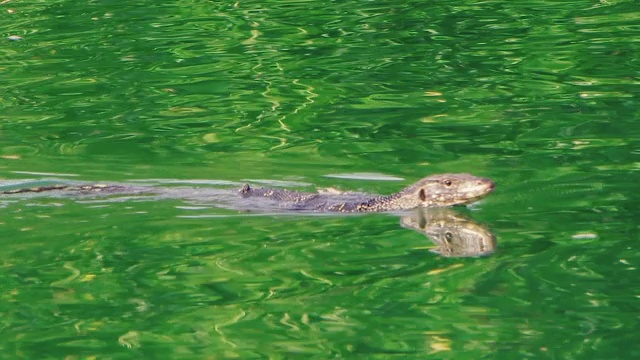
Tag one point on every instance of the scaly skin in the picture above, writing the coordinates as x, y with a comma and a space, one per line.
432, 191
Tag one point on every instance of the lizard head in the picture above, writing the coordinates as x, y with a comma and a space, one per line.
446, 190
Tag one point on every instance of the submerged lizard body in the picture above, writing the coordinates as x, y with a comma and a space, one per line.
432, 191
82, 189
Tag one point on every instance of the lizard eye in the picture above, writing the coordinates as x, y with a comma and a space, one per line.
422, 195
448, 236
447, 182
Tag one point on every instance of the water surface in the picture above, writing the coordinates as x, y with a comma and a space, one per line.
539, 96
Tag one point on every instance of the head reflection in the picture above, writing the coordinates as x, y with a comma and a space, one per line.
454, 234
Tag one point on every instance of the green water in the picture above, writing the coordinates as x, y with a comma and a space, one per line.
540, 96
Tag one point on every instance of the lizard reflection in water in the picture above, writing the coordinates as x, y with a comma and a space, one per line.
455, 234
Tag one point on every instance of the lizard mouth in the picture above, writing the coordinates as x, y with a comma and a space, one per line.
472, 196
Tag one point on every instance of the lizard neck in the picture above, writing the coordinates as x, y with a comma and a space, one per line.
377, 203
